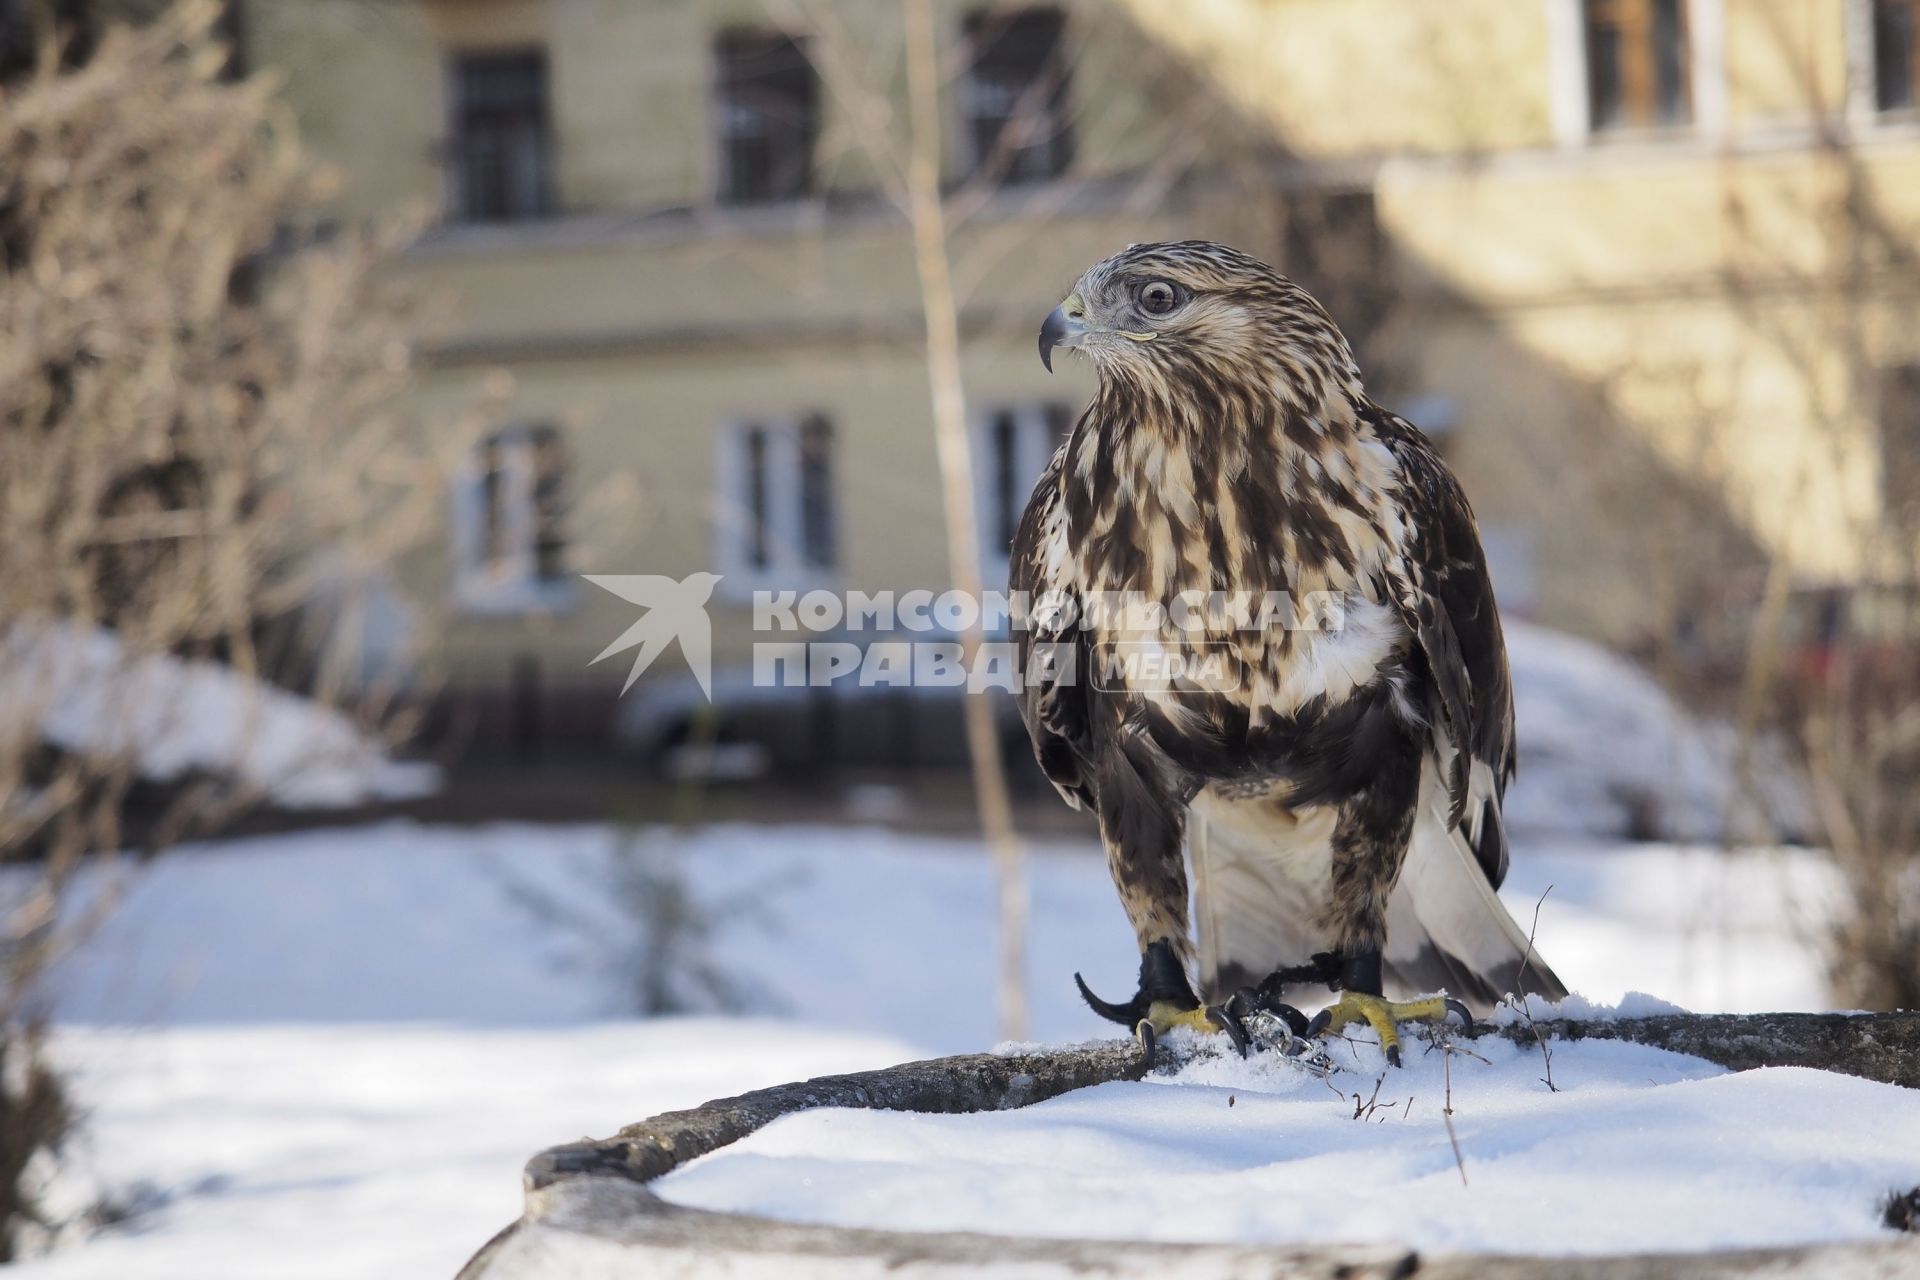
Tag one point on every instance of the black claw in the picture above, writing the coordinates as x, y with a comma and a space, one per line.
1163, 980
1127, 1015
1466, 1014
1143, 1032
1393, 1055
1321, 1021
1230, 1023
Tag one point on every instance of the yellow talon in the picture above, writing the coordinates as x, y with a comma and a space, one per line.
1384, 1016
1165, 1017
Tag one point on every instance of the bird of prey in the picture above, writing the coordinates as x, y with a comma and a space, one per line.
1337, 790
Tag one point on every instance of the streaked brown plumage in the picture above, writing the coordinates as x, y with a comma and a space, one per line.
1232, 448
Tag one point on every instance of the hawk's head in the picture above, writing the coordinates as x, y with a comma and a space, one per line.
1198, 313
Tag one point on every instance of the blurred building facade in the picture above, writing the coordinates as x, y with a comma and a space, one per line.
1646, 268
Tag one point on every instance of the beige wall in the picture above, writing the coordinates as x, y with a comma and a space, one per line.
1636, 333
1336, 77
1709, 299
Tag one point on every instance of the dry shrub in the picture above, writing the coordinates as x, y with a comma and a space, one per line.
198, 440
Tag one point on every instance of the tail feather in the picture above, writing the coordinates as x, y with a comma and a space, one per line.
1446, 927
1257, 881
1258, 878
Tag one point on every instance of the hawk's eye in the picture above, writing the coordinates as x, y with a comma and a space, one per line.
1159, 297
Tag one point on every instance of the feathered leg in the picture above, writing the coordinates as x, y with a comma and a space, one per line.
1140, 826
1370, 840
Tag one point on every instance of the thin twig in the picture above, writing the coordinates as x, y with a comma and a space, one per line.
1525, 1006
1446, 1111
1363, 1109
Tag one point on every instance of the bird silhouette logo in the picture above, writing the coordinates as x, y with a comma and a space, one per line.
676, 609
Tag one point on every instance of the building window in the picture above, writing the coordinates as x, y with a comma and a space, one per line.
769, 116
1637, 64
499, 156
1011, 448
509, 524
817, 548
778, 521
1016, 96
1900, 439
1894, 53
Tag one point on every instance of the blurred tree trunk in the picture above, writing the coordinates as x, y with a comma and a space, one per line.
927, 213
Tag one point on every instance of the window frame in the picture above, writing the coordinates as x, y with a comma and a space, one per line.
727, 191
768, 551
460, 145
1703, 67
1060, 139
485, 580
1873, 93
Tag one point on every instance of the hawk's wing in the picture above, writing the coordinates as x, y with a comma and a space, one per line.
1041, 569
1445, 597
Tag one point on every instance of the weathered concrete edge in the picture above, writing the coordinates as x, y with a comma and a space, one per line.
591, 1195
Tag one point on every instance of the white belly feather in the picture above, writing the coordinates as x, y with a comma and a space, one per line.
1337, 660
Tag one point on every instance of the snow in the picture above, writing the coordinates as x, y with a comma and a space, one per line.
1605, 751
174, 717
334, 1151
329, 1053
861, 928
1703, 928
1639, 1150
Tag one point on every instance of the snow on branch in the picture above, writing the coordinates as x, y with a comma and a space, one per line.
588, 1199
1873, 1046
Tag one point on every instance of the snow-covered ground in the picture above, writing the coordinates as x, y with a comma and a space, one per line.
319, 1151
1604, 751
82, 690
329, 1053
859, 928
1640, 1150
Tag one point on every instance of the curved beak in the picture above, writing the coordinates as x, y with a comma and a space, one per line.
1066, 325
